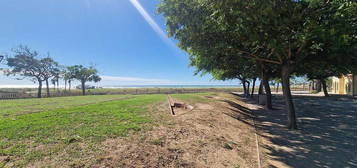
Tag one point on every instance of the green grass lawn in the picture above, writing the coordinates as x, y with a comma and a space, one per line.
71, 129
59, 124
193, 98
23, 106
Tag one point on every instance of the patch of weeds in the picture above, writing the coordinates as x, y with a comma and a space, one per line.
158, 142
227, 146
142, 138
193, 97
2, 164
73, 139
33, 155
236, 166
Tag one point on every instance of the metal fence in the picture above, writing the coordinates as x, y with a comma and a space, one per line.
138, 91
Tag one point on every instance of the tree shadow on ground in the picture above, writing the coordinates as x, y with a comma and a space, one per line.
327, 134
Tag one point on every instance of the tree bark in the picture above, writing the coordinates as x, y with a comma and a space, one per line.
266, 85
260, 91
277, 87
285, 76
69, 85
65, 85
39, 91
57, 84
324, 87
253, 87
318, 85
47, 88
248, 89
244, 87
83, 88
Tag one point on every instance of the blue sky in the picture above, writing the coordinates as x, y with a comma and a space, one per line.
125, 39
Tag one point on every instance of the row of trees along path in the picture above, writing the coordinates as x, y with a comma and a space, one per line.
240, 39
27, 63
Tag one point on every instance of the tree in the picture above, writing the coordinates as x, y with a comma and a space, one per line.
26, 64
232, 69
84, 74
68, 76
277, 34
335, 51
51, 70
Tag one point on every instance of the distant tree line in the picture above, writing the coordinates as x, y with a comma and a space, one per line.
266, 39
29, 64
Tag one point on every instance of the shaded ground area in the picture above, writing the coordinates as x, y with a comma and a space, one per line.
327, 135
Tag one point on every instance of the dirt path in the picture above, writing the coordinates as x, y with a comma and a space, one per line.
209, 135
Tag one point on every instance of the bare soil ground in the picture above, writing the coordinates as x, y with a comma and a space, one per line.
209, 135
327, 134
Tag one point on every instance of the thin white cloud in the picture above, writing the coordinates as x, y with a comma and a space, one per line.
152, 22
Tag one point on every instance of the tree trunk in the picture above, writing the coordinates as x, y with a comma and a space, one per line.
266, 85
69, 85
285, 76
65, 85
39, 92
57, 84
260, 91
324, 87
47, 88
253, 87
277, 87
248, 89
244, 87
318, 85
83, 88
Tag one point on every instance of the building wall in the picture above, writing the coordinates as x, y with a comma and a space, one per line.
345, 85
354, 85
335, 85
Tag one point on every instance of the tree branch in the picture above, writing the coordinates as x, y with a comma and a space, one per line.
253, 56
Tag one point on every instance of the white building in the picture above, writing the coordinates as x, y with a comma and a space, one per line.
345, 85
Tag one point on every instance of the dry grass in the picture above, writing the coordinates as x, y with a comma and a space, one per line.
207, 136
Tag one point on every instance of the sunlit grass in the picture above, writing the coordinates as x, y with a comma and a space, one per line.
55, 130
73, 128
23, 106
192, 98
